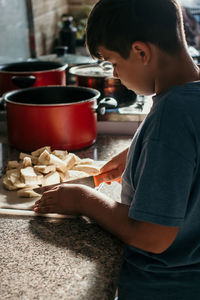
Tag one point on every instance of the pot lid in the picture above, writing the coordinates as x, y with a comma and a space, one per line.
104, 69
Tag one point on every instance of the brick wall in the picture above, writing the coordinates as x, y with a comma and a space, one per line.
46, 17
75, 5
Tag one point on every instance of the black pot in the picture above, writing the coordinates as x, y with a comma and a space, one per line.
100, 77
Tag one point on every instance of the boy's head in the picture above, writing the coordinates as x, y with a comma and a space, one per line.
117, 24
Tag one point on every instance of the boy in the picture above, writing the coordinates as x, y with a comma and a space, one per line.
158, 219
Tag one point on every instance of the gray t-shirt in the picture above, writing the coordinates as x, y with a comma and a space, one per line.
161, 183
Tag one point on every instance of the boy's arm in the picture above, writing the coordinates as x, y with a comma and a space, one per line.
111, 215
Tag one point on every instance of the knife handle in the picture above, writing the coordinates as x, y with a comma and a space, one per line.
98, 179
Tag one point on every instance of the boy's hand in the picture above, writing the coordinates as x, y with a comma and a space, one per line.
63, 199
115, 167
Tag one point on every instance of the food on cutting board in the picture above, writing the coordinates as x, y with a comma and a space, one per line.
45, 167
90, 169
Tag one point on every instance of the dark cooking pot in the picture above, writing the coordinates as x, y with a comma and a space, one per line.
63, 117
31, 74
100, 77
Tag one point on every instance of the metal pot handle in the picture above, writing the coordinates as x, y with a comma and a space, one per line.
106, 103
24, 81
106, 66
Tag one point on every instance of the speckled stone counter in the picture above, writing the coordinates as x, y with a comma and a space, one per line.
71, 259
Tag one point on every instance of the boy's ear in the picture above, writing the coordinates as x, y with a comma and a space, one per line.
142, 52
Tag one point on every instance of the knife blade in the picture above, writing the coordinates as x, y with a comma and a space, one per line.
91, 181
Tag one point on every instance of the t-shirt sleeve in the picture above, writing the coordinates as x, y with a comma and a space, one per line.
162, 182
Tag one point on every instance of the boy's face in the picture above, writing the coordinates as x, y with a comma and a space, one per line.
132, 72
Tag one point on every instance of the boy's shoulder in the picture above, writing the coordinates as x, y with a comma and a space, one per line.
173, 111
180, 97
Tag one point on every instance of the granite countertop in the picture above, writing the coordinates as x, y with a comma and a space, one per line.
71, 258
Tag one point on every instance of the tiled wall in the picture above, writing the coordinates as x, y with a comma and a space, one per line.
13, 31
14, 26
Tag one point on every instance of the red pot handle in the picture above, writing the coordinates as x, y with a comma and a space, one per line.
107, 102
23, 81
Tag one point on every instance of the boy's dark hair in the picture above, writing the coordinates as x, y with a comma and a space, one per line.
116, 24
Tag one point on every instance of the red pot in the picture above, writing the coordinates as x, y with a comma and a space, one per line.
31, 74
60, 117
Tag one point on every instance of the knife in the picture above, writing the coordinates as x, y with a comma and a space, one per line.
91, 181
